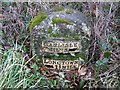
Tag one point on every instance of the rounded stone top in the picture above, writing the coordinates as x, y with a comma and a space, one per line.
64, 20
60, 31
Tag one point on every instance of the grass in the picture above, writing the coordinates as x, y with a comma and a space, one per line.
13, 70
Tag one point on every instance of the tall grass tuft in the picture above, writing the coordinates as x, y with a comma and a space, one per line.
12, 69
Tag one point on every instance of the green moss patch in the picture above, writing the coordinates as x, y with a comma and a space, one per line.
67, 39
36, 20
55, 35
69, 11
59, 20
58, 9
76, 37
49, 30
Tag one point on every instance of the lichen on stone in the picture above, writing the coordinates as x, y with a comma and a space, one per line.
49, 30
86, 29
55, 35
36, 20
69, 11
76, 37
58, 9
59, 20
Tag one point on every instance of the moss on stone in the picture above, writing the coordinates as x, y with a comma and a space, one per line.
49, 30
36, 20
59, 20
69, 11
58, 9
76, 37
67, 39
55, 35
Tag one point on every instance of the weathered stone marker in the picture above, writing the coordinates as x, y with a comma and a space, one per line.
60, 39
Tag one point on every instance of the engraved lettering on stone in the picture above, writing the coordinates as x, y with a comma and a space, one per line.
61, 64
60, 47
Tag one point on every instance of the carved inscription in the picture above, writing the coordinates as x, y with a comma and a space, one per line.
61, 64
60, 47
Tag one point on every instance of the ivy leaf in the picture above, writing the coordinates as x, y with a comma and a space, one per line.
103, 46
107, 54
35, 66
3, 42
99, 62
105, 60
81, 84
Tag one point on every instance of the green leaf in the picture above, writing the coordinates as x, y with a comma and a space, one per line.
104, 68
55, 82
5, 2
25, 49
107, 54
99, 62
105, 60
81, 84
111, 38
35, 66
3, 41
31, 79
103, 46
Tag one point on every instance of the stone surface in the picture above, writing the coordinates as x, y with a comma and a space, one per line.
61, 40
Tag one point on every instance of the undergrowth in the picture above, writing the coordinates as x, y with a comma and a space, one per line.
13, 73
17, 68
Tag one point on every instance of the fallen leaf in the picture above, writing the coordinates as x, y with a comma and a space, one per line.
82, 70
42, 69
69, 75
